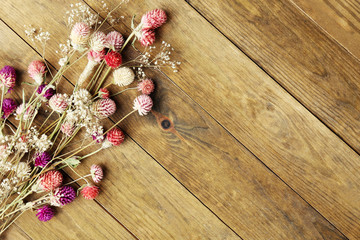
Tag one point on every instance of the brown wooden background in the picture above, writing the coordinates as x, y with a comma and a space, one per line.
265, 113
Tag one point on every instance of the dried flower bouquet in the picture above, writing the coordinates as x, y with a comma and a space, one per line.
32, 156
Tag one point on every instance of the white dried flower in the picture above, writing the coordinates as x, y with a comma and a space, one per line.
123, 76
98, 41
22, 170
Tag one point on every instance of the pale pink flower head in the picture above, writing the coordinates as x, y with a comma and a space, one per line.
59, 102
8, 76
96, 56
114, 40
67, 128
36, 70
25, 111
143, 104
153, 19
147, 37
104, 108
50, 180
96, 173
146, 86
79, 35
98, 41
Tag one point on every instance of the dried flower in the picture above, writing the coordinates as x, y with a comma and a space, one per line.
67, 128
104, 93
143, 104
113, 59
96, 56
147, 37
45, 213
115, 136
59, 102
114, 40
79, 35
153, 19
50, 180
36, 70
98, 41
90, 192
46, 95
62, 196
22, 170
8, 107
26, 112
123, 76
146, 86
42, 159
104, 108
96, 173
8, 76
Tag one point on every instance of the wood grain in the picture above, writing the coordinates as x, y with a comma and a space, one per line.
340, 18
136, 191
261, 114
15, 232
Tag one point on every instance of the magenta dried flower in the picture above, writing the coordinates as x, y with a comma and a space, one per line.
48, 93
42, 159
8, 107
45, 213
62, 196
8, 76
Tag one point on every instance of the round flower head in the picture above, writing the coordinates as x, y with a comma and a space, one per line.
123, 76
114, 40
50, 180
42, 159
96, 173
79, 35
104, 93
62, 196
96, 56
147, 37
90, 192
98, 41
48, 93
24, 111
115, 136
8, 76
104, 108
113, 59
143, 104
67, 128
59, 102
146, 86
153, 19
8, 107
36, 70
45, 213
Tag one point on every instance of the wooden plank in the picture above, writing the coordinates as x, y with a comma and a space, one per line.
258, 112
15, 232
136, 190
248, 192
340, 18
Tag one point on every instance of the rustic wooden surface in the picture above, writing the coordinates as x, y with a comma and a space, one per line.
265, 125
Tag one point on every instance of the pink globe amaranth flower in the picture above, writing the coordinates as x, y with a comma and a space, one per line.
25, 111
98, 41
62, 196
96, 56
45, 213
113, 59
50, 91
104, 93
146, 86
147, 37
67, 128
42, 159
59, 102
104, 108
36, 70
115, 136
96, 173
8, 76
50, 180
79, 35
90, 192
114, 40
8, 107
153, 19
143, 104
